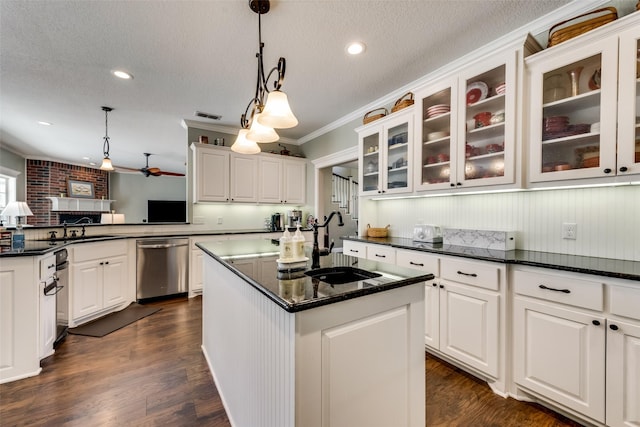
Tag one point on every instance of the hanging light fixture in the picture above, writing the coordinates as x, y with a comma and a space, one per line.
106, 162
268, 110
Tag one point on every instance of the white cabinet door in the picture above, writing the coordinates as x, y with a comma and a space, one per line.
432, 314
623, 373
469, 326
114, 276
629, 103
18, 318
244, 178
560, 354
87, 288
47, 321
195, 274
294, 184
211, 175
270, 171
350, 374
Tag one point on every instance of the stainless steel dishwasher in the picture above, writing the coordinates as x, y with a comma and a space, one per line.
162, 267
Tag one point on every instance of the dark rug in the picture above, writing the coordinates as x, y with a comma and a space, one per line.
114, 321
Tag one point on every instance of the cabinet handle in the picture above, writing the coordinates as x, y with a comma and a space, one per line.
623, 169
596, 322
354, 251
381, 256
416, 263
607, 170
566, 291
613, 327
468, 274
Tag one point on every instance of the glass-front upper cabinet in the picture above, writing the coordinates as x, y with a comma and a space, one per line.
467, 134
629, 102
584, 106
386, 153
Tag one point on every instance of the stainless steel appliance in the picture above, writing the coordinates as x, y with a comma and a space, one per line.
161, 267
295, 218
61, 293
277, 222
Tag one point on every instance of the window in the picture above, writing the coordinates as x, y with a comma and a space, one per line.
7, 193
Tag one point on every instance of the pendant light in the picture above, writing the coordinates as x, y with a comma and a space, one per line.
106, 162
243, 145
269, 109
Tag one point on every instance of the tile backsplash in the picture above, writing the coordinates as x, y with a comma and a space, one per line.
607, 218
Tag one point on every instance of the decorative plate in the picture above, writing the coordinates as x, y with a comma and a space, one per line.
476, 92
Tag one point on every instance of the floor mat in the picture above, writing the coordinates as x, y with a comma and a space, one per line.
114, 321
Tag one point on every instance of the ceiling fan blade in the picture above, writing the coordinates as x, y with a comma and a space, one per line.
153, 171
170, 173
126, 169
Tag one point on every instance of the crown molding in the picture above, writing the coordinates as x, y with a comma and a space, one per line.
536, 27
230, 130
345, 155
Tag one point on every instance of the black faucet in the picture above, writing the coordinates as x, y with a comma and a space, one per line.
64, 225
316, 253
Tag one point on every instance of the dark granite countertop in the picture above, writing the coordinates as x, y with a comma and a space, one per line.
620, 269
45, 246
293, 290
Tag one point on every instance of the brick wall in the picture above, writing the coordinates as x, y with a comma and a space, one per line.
45, 178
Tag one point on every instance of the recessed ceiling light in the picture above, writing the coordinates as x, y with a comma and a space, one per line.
44, 123
93, 164
356, 48
86, 158
122, 74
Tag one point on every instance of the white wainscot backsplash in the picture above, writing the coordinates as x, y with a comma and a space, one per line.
607, 218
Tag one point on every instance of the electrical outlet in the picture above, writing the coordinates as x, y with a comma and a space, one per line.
219, 220
569, 230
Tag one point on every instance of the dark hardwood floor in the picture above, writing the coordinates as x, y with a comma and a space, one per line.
153, 373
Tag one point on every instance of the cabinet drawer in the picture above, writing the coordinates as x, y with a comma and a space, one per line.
483, 275
559, 288
349, 247
91, 251
624, 301
419, 261
381, 253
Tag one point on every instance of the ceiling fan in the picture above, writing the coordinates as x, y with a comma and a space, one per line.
147, 171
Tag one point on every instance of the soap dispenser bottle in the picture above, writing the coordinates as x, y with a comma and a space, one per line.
298, 244
286, 246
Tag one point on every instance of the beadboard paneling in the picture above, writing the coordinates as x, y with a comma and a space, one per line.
607, 218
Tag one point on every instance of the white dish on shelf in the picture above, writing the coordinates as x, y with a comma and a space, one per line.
477, 91
431, 136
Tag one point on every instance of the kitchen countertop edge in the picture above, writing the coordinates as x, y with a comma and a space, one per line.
608, 267
314, 303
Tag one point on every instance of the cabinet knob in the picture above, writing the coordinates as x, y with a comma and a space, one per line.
435, 285
106, 262
102, 263
607, 170
458, 184
596, 322
452, 184
623, 169
441, 286
613, 327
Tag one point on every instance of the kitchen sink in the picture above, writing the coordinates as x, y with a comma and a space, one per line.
341, 275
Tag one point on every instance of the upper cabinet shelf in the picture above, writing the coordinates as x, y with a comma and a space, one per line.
73, 204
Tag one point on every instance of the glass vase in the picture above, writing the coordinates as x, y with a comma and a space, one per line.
574, 75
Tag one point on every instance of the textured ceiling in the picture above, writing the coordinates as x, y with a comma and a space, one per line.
56, 58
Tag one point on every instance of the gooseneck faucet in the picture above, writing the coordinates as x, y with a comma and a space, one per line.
315, 254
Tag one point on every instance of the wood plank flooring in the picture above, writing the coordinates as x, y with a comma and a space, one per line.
153, 373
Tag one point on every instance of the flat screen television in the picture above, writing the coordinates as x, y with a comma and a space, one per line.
166, 211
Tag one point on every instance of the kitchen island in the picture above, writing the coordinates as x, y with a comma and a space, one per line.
287, 349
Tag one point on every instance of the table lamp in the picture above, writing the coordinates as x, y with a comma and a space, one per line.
17, 210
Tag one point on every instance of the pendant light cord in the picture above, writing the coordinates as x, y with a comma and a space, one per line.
105, 146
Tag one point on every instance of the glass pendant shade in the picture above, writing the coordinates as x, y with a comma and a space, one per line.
106, 164
244, 146
277, 113
260, 133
